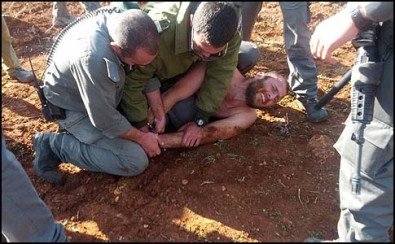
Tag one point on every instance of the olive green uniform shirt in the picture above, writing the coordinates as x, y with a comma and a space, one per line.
175, 58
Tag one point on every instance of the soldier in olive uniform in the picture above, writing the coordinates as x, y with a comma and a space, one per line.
190, 32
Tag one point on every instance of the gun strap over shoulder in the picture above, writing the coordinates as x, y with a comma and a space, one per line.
74, 23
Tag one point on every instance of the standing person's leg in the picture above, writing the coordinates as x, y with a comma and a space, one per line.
303, 71
369, 215
24, 216
10, 62
90, 6
249, 56
61, 16
249, 13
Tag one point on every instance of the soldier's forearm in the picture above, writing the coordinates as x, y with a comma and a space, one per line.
188, 85
168, 101
155, 102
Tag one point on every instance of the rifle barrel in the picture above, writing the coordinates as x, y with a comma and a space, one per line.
335, 89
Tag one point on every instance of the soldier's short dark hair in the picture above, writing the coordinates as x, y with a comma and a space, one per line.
134, 29
216, 21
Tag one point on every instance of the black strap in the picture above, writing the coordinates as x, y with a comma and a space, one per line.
75, 22
388, 51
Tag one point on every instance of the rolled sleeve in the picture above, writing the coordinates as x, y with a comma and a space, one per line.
152, 85
375, 11
379, 11
134, 103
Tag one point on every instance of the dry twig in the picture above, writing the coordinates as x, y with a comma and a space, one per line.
207, 182
299, 197
279, 181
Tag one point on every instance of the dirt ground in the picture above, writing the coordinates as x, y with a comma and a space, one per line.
260, 186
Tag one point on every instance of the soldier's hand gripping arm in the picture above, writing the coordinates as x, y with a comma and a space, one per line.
157, 116
185, 87
134, 103
148, 141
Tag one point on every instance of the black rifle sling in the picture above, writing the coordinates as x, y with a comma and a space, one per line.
50, 111
74, 23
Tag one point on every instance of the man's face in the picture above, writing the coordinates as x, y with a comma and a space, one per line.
266, 92
204, 50
140, 58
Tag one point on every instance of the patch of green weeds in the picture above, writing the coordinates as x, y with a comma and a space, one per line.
286, 227
18, 149
189, 154
209, 159
255, 142
240, 159
276, 214
201, 235
220, 144
316, 234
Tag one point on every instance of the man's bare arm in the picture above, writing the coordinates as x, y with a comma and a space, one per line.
188, 85
240, 120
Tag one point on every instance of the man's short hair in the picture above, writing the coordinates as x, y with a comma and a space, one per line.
216, 21
134, 29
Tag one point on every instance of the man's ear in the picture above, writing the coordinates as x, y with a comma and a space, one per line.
190, 20
259, 75
115, 48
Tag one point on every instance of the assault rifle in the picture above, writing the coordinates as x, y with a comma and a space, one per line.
365, 76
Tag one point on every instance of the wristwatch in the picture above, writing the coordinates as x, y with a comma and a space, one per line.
200, 122
360, 21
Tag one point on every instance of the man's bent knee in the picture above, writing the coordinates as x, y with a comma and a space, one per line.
249, 55
135, 164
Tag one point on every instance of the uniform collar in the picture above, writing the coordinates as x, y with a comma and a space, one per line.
117, 58
183, 29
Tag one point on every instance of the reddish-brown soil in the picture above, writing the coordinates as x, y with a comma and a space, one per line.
260, 186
